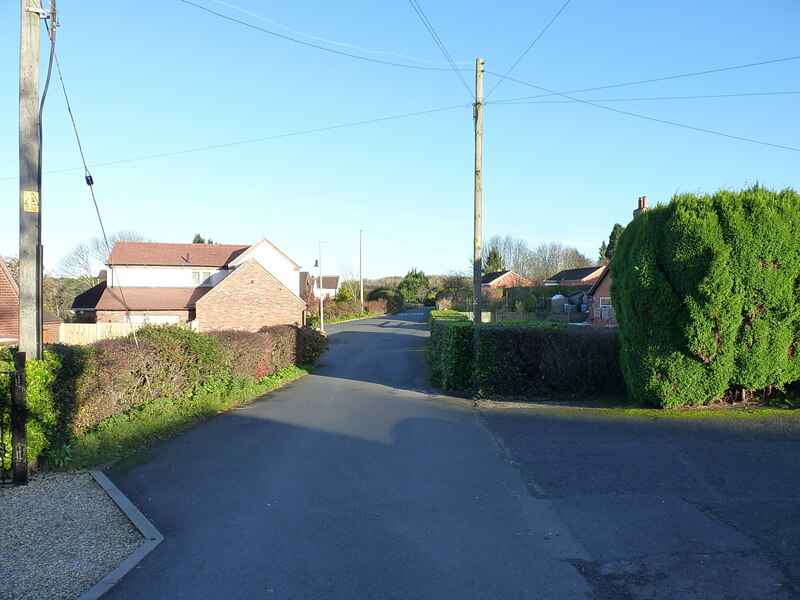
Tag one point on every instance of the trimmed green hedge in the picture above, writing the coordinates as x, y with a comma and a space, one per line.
707, 295
73, 389
522, 358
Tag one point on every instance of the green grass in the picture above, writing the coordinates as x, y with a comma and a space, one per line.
314, 320
122, 434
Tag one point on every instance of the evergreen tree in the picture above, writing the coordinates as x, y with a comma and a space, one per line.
603, 251
613, 238
493, 261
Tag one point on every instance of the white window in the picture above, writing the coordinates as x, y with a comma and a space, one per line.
605, 301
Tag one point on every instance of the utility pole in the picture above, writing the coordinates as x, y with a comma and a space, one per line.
30, 217
477, 303
321, 302
361, 264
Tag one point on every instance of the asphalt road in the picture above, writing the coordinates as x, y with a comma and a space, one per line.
360, 482
688, 508
353, 482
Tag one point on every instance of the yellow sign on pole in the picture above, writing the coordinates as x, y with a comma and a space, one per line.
30, 201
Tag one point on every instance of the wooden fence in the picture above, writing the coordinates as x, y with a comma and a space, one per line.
86, 333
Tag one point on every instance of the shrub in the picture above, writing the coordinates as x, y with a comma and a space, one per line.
283, 341
311, 344
74, 389
192, 358
247, 353
394, 299
118, 375
450, 350
522, 358
543, 358
706, 293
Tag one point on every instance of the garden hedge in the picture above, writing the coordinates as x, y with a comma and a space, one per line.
522, 359
75, 388
707, 295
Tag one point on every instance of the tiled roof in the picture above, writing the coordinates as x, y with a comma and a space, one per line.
89, 298
174, 255
490, 277
150, 298
576, 274
329, 282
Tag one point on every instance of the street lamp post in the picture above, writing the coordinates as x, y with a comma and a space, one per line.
319, 286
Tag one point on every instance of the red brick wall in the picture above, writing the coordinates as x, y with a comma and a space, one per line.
9, 308
603, 290
51, 333
248, 299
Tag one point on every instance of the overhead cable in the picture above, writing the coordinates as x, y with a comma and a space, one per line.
260, 139
421, 14
639, 82
516, 62
664, 121
309, 44
327, 41
654, 98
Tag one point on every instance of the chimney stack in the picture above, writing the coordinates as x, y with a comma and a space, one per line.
642, 206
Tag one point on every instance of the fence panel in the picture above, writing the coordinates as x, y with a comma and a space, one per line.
86, 333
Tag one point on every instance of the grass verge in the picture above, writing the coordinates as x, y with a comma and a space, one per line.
145, 424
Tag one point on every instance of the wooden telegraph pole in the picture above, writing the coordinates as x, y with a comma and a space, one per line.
477, 303
30, 217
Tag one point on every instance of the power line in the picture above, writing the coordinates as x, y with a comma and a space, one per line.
90, 182
421, 14
541, 33
327, 41
664, 121
699, 97
639, 82
261, 139
309, 44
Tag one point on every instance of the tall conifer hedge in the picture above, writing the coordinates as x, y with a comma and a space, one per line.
707, 294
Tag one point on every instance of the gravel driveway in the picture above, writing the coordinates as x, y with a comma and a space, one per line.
59, 535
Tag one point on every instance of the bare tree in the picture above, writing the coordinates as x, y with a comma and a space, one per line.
78, 264
12, 262
86, 259
100, 250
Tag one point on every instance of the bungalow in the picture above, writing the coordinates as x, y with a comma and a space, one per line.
504, 279
601, 311
217, 286
573, 277
9, 313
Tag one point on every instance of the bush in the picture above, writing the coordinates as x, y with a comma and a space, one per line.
74, 389
311, 344
394, 299
248, 354
283, 341
543, 358
192, 359
522, 358
706, 291
450, 351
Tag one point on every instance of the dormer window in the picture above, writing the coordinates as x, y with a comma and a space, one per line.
201, 278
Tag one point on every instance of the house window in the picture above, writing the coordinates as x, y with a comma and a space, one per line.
201, 278
605, 301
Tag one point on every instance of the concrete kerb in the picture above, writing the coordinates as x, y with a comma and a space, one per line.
152, 537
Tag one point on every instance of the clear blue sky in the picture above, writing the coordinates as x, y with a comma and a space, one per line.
154, 78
